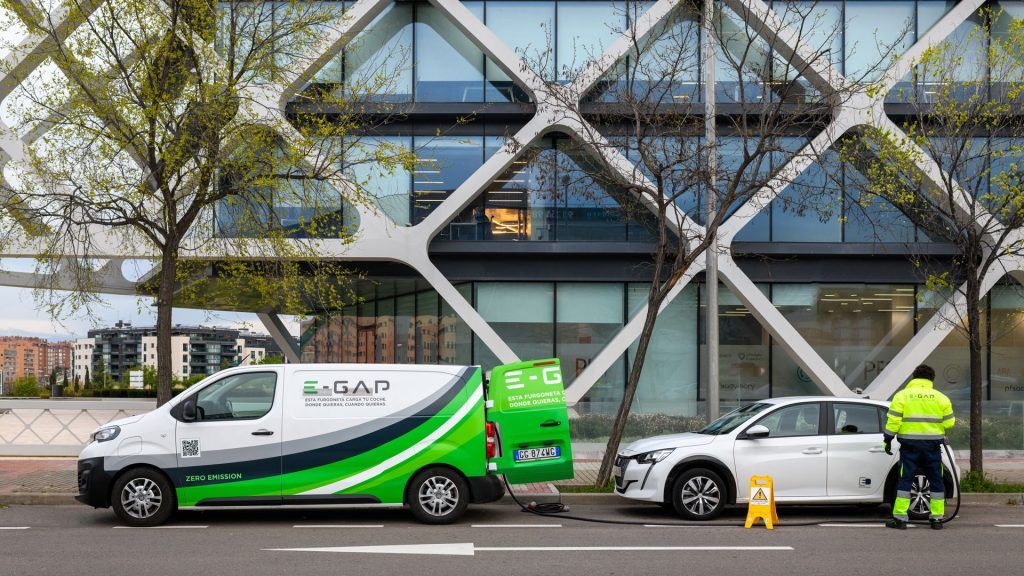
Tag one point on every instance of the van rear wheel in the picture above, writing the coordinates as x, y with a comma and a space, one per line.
437, 496
143, 497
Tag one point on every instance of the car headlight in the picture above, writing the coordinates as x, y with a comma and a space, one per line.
105, 434
654, 457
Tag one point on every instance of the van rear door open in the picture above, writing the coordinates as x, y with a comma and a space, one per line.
527, 404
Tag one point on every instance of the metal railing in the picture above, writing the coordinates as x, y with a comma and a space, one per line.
58, 427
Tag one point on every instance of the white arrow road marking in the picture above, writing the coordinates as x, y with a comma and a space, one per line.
14, 527
469, 549
1009, 525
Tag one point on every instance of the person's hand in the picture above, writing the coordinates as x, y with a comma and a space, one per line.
887, 445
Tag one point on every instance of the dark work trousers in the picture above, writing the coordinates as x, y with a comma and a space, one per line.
924, 457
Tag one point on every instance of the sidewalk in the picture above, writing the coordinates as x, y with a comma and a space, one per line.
57, 476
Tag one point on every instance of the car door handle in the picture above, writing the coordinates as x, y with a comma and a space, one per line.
550, 423
812, 451
263, 432
876, 449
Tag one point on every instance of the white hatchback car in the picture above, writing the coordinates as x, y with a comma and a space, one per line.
816, 449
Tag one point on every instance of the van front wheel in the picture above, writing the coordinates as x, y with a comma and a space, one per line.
438, 496
143, 497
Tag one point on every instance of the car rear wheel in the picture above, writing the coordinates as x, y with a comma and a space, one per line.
437, 496
920, 498
143, 498
699, 494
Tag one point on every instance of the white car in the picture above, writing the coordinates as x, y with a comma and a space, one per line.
816, 449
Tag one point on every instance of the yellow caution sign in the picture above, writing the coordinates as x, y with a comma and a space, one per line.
762, 502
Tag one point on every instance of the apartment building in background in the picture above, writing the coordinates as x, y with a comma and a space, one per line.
195, 350
35, 357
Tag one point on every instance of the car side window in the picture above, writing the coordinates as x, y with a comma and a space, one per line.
796, 420
237, 397
855, 419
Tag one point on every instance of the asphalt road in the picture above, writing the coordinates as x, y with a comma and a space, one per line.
499, 539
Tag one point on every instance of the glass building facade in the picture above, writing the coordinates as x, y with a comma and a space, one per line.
556, 262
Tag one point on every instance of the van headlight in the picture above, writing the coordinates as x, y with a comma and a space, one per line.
104, 434
654, 456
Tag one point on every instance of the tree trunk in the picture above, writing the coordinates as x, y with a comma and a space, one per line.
977, 391
619, 426
164, 307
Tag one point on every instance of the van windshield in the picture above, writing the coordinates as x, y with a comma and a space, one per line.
733, 419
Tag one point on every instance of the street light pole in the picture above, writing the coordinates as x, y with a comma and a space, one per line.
711, 255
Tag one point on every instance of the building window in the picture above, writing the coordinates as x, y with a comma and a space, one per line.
856, 328
378, 61
522, 313
449, 67
528, 28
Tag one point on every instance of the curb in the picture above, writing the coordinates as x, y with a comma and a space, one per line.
993, 499
37, 499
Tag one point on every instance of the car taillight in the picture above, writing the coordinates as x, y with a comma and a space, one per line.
491, 439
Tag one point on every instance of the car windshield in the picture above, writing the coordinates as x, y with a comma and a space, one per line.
733, 419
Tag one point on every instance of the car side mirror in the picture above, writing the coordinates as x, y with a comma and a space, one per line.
188, 410
757, 431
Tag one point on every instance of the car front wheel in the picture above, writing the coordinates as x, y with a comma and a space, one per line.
143, 498
699, 494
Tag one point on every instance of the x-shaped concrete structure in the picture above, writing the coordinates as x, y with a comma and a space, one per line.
378, 238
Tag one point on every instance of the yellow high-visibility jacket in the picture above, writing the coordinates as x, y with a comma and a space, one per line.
919, 412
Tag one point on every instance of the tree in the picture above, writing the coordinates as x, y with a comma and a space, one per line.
78, 381
270, 359
968, 128
25, 386
99, 376
65, 385
149, 377
88, 378
644, 142
166, 103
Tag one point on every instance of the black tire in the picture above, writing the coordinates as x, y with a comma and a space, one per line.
705, 496
920, 507
143, 497
437, 496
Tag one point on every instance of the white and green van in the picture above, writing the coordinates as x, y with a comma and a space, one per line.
433, 438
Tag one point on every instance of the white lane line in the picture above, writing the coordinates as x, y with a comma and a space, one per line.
1009, 525
14, 527
172, 527
470, 549
515, 525
338, 526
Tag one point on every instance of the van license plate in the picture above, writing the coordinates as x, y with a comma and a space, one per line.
536, 454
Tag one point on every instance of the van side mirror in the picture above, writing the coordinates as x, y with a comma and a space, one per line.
757, 431
188, 410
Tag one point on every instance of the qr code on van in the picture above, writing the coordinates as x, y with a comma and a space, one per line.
190, 448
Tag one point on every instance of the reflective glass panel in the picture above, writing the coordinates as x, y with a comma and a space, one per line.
668, 383
528, 28
378, 62
522, 313
449, 67
856, 328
